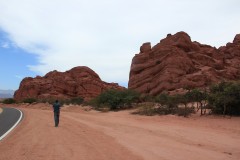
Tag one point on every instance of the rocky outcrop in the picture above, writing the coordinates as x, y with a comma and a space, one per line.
177, 63
77, 82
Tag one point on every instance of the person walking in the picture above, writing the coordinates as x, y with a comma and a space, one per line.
56, 110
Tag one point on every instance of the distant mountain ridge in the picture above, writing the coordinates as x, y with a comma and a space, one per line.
6, 93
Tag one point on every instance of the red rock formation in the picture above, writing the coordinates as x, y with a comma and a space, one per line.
77, 82
177, 63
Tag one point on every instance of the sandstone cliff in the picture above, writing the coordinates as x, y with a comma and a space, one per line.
177, 63
77, 82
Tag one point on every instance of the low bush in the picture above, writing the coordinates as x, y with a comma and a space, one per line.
151, 109
167, 100
115, 99
9, 101
184, 111
29, 100
76, 100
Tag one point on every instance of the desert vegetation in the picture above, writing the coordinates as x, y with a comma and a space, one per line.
221, 99
224, 98
8, 101
164, 104
115, 99
29, 100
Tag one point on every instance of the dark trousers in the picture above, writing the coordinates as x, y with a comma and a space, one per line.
56, 118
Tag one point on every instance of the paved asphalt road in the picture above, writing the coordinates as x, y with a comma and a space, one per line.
8, 118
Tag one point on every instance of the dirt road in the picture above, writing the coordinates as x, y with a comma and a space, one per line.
121, 136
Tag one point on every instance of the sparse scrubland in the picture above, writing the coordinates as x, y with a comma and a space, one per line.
220, 99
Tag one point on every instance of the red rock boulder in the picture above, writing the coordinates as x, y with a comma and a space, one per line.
177, 63
77, 82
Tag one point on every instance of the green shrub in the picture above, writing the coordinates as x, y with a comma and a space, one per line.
76, 100
146, 98
167, 100
9, 101
166, 104
225, 98
29, 100
115, 99
151, 109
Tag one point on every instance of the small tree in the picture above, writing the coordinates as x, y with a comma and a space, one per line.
197, 96
129, 97
184, 99
162, 99
168, 103
225, 98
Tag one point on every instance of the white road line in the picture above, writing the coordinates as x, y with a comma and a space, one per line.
5, 134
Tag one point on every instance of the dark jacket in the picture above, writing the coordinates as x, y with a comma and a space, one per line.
56, 107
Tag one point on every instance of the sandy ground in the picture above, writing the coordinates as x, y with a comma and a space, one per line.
91, 135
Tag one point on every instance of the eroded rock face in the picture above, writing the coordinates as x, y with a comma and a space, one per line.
77, 82
177, 63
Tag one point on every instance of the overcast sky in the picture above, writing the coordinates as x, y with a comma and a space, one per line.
38, 36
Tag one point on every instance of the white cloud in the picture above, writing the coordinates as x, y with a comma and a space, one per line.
5, 45
105, 35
